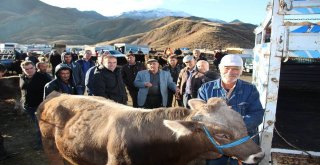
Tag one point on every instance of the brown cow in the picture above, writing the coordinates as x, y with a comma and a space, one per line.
10, 89
92, 130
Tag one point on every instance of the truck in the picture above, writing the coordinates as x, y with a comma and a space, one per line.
286, 72
7, 54
246, 55
104, 47
8, 46
125, 48
39, 49
59, 47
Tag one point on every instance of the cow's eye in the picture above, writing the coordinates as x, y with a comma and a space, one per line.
222, 136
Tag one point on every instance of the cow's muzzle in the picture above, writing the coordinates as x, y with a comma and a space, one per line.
255, 158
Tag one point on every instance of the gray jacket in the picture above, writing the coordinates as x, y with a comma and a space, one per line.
165, 83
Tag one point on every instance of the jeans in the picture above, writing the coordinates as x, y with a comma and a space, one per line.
186, 98
31, 112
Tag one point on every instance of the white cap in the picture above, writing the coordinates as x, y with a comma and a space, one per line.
187, 58
231, 60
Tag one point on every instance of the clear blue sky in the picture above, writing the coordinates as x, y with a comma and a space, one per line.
249, 11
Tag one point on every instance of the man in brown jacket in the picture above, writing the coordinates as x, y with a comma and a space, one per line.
189, 80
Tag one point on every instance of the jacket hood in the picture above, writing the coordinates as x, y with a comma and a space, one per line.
62, 67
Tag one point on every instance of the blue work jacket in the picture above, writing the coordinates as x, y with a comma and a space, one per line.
243, 99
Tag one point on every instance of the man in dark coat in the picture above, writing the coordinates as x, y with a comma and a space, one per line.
129, 72
3, 152
55, 59
174, 68
217, 58
203, 67
108, 81
32, 84
198, 55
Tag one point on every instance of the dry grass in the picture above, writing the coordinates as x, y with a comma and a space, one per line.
190, 33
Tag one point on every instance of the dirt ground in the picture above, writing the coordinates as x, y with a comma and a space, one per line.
18, 135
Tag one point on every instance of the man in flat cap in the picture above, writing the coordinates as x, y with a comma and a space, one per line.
189, 76
153, 85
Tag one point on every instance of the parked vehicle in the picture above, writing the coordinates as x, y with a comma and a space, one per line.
121, 58
103, 47
6, 60
186, 51
247, 60
7, 54
8, 46
125, 48
248, 65
75, 48
38, 49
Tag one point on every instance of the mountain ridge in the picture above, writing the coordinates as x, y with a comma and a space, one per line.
32, 21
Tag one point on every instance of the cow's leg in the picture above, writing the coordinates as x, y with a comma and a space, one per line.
112, 159
52, 152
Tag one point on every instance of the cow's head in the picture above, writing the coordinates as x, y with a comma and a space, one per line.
223, 124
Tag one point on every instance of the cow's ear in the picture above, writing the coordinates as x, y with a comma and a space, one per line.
216, 103
196, 104
182, 128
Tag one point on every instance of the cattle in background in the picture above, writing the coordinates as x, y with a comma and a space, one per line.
10, 89
93, 130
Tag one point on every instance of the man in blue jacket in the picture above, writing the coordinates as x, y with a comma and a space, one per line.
153, 85
240, 95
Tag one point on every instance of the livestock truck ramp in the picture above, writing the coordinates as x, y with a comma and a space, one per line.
297, 126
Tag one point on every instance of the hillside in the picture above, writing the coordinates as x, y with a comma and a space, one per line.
32, 21
194, 34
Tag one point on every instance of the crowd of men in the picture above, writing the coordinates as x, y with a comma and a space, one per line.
149, 85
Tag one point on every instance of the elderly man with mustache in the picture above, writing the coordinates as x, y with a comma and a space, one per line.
240, 95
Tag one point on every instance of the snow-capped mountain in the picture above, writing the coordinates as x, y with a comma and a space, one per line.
159, 13
152, 14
